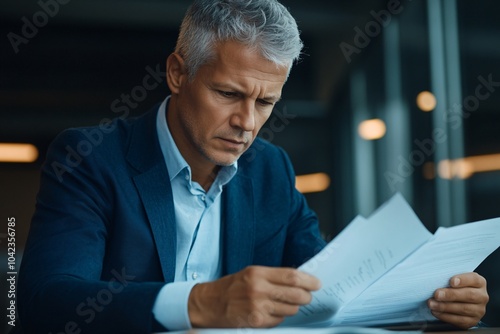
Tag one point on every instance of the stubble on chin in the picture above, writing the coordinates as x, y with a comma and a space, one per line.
224, 162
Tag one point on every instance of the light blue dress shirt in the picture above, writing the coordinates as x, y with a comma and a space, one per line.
198, 222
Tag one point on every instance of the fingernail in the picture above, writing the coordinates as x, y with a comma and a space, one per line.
432, 304
440, 295
436, 312
456, 281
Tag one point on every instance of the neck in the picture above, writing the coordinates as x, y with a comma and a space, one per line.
203, 177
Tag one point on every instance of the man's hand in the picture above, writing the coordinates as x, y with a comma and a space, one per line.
254, 297
464, 303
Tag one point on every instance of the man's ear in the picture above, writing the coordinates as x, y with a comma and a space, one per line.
176, 73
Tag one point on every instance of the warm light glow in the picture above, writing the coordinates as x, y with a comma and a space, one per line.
426, 101
18, 152
372, 129
312, 183
466, 167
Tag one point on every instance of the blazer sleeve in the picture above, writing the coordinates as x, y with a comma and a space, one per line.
60, 282
303, 239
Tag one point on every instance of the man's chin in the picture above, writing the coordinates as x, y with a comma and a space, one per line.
226, 160
226, 163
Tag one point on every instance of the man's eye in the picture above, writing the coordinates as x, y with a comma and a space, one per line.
227, 94
264, 103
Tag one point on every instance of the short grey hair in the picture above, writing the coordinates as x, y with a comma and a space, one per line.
265, 25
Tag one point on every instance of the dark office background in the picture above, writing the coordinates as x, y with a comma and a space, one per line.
68, 72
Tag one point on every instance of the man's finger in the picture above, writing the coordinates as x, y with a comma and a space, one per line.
457, 320
291, 295
462, 309
473, 280
285, 310
295, 278
462, 295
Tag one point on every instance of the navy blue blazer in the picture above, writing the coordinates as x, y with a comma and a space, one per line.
102, 241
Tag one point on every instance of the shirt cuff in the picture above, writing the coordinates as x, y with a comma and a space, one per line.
171, 306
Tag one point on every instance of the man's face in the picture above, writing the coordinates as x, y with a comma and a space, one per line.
216, 116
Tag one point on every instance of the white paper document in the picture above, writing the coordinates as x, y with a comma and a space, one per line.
382, 269
337, 330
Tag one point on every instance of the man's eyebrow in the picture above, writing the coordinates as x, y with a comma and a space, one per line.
222, 85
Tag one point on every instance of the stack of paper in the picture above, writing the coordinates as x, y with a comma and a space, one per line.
337, 330
381, 270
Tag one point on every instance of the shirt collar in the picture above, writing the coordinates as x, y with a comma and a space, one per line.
173, 158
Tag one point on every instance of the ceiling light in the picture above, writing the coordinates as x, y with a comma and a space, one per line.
372, 129
426, 101
311, 183
14, 152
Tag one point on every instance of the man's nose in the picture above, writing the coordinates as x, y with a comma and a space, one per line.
244, 116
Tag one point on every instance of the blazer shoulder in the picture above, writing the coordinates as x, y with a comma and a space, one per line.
103, 144
116, 132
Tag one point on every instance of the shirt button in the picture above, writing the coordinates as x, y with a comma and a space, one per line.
194, 275
203, 198
187, 177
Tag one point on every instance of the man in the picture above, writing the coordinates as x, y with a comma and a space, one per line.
182, 218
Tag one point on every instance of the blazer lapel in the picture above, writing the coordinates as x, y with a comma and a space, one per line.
156, 195
238, 224
153, 185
